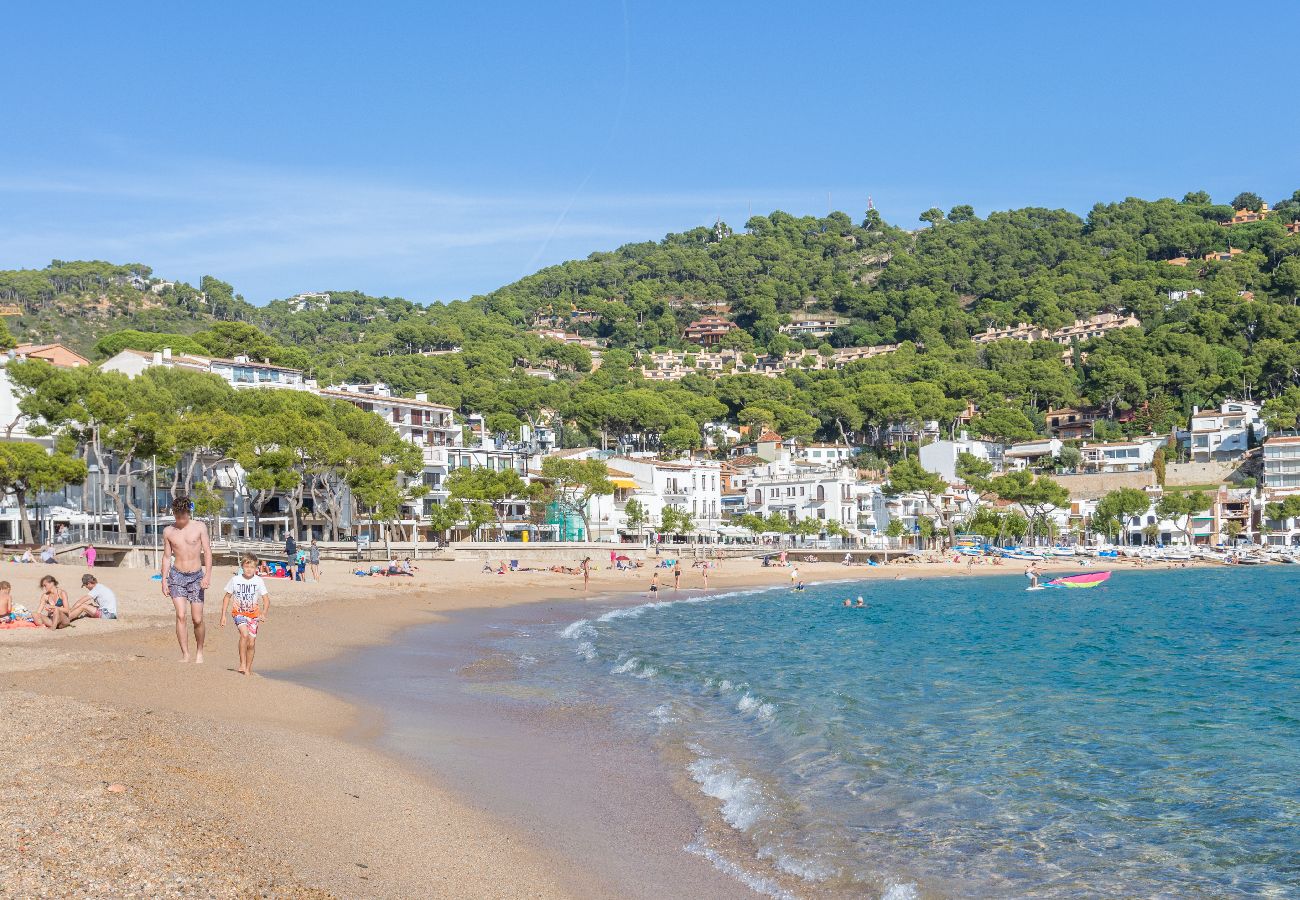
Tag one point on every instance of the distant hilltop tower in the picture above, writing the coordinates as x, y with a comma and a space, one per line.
870, 205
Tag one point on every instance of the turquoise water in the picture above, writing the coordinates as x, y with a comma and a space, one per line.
962, 737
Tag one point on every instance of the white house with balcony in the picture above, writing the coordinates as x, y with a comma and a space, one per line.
1225, 433
429, 426
1031, 453
690, 485
800, 490
1121, 456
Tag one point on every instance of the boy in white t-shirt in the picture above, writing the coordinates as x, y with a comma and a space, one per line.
249, 603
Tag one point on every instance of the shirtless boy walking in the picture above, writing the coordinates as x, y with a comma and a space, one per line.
186, 574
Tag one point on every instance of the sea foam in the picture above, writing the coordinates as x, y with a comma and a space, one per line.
757, 883
742, 798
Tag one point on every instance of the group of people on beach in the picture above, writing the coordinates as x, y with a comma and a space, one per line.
55, 609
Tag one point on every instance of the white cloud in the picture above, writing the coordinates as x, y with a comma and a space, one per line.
273, 232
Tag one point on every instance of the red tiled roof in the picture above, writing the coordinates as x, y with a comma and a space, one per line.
769, 436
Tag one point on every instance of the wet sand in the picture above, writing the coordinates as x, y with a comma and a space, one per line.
128, 773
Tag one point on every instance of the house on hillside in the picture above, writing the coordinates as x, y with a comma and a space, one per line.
940, 457
708, 330
1071, 424
1226, 433
1242, 216
1120, 456
1031, 453
241, 372
813, 324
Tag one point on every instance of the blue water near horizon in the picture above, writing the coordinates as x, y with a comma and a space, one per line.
964, 737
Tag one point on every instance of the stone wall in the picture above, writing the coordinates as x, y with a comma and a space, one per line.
1184, 474
1092, 486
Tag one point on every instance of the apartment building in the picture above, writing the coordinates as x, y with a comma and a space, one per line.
241, 372
1282, 464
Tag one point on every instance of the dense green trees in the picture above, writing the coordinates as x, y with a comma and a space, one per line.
1210, 329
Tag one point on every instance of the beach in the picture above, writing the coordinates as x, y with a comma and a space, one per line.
130, 774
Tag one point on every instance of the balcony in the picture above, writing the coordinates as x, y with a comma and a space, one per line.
434, 456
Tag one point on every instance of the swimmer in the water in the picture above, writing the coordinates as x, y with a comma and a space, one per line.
861, 603
847, 603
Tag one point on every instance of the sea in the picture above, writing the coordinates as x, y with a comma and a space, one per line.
952, 737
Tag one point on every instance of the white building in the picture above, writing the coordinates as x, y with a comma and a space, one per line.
1029, 453
822, 454
690, 485
1225, 433
813, 324
240, 372
1120, 456
800, 490
940, 457
1282, 464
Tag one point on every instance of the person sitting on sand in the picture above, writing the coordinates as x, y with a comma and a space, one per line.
263, 569
249, 602
27, 556
52, 609
99, 601
47, 555
408, 567
848, 559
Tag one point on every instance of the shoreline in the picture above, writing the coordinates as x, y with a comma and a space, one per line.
106, 705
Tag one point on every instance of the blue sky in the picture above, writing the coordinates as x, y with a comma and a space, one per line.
434, 151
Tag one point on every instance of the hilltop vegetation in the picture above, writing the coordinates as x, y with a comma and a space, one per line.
1210, 328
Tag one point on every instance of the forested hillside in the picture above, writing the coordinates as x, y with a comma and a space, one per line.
1211, 327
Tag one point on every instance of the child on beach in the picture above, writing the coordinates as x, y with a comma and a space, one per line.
654, 583
250, 605
6, 602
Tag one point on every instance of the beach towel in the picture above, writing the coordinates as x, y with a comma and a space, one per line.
21, 623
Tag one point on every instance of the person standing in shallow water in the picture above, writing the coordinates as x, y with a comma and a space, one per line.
187, 574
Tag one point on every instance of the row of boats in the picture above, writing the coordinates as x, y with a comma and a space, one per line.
1245, 556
